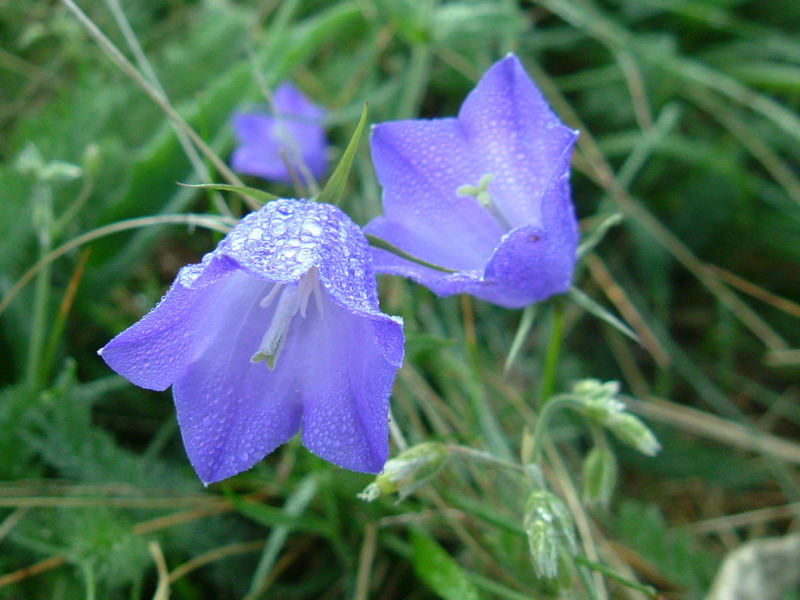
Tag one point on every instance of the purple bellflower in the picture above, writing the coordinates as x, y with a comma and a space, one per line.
485, 194
295, 129
277, 329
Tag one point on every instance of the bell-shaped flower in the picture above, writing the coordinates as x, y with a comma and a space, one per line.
277, 330
292, 132
485, 194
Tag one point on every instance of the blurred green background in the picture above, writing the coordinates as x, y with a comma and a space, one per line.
688, 111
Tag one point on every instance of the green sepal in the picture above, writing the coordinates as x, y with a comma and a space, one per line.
591, 306
595, 237
334, 189
377, 242
254, 194
599, 477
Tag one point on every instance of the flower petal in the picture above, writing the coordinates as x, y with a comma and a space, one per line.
259, 152
295, 130
513, 152
520, 141
304, 123
347, 363
421, 165
154, 351
231, 411
222, 313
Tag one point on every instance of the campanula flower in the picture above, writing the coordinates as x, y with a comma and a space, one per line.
277, 329
293, 127
485, 194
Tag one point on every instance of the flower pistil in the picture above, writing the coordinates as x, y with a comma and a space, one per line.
481, 194
291, 299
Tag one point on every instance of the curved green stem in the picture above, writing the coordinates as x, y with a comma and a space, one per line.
555, 404
472, 452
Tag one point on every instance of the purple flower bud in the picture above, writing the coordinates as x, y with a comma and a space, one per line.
277, 330
295, 129
485, 194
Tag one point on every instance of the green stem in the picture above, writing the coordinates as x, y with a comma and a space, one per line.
38, 323
89, 580
43, 214
472, 452
555, 404
645, 589
553, 350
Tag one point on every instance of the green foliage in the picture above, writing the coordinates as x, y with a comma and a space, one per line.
439, 571
671, 551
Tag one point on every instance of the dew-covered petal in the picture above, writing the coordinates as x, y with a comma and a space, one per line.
530, 263
537, 262
520, 140
287, 237
421, 165
220, 315
347, 362
509, 146
231, 411
154, 351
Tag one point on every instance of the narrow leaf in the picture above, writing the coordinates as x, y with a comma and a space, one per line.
525, 324
377, 242
588, 304
334, 189
248, 192
596, 236
439, 571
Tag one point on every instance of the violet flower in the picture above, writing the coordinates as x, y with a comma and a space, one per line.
295, 129
485, 194
277, 329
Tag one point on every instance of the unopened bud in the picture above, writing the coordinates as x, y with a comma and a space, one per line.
601, 405
551, 537
408, 471
599, 476
632, 431
58, 170
594, 388
91, 160
29, 161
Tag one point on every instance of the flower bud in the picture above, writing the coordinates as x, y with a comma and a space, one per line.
551, 537
599, 400
632, 431
600, 404
408, 471
594, 388
91, 160
599, 476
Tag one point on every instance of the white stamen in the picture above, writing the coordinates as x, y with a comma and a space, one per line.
267, 300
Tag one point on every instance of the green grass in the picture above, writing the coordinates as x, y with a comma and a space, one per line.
688, 111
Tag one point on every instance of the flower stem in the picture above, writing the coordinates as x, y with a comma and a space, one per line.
554, 404
38, 324
553, 350
472, 452
43, 222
